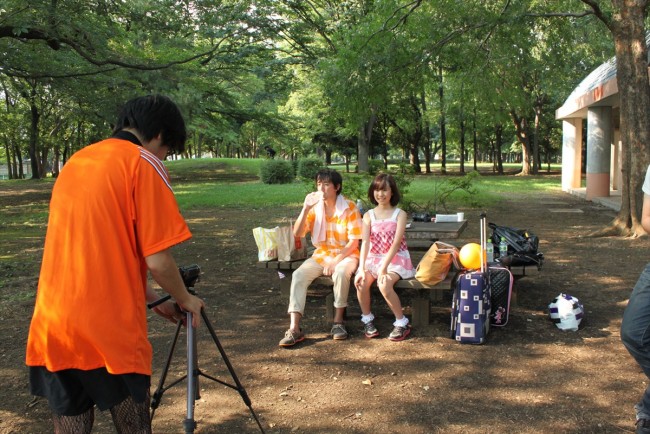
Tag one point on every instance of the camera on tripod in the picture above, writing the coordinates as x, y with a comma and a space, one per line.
190, 274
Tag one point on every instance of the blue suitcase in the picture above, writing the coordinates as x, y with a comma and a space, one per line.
471, 305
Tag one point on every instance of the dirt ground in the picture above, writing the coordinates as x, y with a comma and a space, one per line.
529, 378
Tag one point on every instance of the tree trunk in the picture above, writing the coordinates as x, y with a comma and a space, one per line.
537, 164
634, 92
427, 134
8, 155
56, 161
18, 163
462, 145
498, 161
443, 131
521, 130
475, 141
42, 166
415, 138
365, 134
33, 140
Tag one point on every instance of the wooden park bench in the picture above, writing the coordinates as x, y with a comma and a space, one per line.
420, 302
420, 236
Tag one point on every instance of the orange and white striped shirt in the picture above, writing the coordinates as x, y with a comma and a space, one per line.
338, 231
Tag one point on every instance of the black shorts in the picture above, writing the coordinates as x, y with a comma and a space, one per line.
72, 391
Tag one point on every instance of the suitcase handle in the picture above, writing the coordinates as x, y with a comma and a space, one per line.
483, 241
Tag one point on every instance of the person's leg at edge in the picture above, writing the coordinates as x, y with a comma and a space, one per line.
401, 326
364, 297
635, 334
341, 278
131, 417
363, 294
300, 281
391, 296
78, 424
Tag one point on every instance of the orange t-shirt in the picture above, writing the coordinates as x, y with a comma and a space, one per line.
111, 206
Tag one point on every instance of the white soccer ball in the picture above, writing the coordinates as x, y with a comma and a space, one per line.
566, 312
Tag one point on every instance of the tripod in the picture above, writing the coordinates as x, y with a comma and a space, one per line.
193, 370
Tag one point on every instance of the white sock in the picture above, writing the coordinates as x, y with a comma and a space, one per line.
401, 322
367, 318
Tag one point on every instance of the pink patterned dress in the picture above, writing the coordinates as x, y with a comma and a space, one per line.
382, 234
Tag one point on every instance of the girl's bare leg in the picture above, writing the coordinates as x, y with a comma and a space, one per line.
390, 295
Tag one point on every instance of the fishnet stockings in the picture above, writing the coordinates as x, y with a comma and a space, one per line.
80, 424
130, 417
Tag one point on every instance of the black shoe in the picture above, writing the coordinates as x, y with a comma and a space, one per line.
339, 332
643, 426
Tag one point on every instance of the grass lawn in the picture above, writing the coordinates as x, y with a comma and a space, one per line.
203, 183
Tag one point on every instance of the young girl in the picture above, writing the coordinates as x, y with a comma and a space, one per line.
384, 256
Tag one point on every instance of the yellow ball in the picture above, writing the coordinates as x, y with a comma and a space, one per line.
470, 256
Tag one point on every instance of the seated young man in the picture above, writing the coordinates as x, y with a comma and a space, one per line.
335, 226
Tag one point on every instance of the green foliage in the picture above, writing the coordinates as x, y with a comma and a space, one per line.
355, 187
295, 164
276, 172
442, 190
308, 167
375, 166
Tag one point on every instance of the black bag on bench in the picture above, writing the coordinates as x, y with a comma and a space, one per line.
522, 246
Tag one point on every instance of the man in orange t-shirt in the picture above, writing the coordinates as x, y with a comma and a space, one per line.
113, 218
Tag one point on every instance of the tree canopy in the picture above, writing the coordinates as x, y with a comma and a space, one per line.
398, 80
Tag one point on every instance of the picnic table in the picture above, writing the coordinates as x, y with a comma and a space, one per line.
435, 231
420, 235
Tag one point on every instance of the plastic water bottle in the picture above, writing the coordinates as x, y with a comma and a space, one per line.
490, 252
360, 206
503, 248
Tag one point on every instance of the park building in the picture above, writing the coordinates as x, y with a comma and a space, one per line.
594, 104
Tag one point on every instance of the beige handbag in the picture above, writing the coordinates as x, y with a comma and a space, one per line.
290, 248
436, 263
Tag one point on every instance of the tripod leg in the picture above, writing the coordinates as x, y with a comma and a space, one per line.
157, 396
240, 388
192, 375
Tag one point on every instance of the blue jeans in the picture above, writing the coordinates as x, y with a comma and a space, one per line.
635, 333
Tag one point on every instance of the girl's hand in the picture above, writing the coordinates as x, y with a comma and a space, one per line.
359, 279
383, 278
382, 275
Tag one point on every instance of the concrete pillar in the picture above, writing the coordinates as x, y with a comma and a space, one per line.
600, 135
571, 153
615, 171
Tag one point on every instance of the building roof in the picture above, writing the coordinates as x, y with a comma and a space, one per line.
599, 88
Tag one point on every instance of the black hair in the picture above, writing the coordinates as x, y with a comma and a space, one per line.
152, 115
331, 175
380, 182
